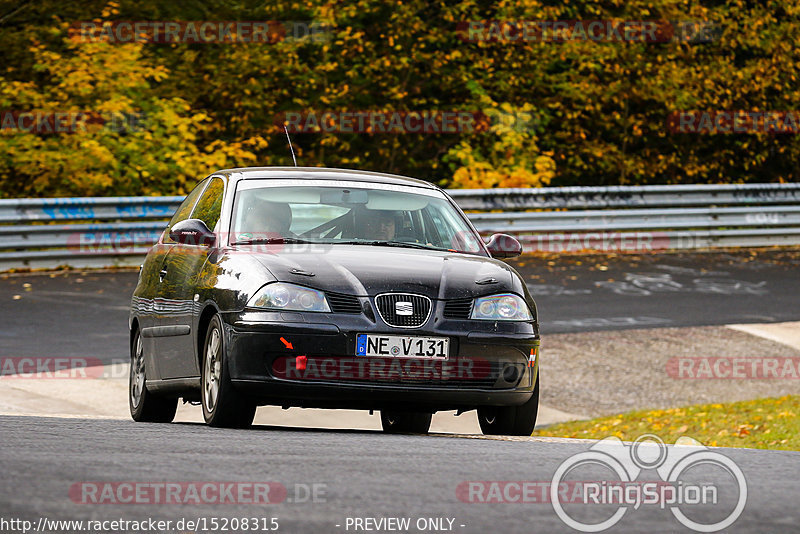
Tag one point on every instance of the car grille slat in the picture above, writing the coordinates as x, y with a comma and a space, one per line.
388, 307
343, 303
458, 308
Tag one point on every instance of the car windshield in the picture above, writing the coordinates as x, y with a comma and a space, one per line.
340, 212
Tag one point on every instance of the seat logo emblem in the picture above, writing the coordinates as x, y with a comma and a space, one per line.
404, 308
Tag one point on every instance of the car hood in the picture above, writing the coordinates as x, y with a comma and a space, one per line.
369, 270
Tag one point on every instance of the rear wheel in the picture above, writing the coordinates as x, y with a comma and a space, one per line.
405, 422
223, 406
144, 405
510, 420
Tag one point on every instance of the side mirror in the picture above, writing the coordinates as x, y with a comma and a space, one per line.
192, 232
504, 246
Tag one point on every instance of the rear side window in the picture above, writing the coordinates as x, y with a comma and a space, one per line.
210, 204
184, 209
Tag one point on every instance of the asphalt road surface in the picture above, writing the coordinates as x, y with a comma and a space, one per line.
589, 293
85, 314
48, 464
51, 467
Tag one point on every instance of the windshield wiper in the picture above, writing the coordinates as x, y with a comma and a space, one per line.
272, 240
399, 244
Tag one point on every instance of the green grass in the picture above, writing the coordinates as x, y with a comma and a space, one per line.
760, 424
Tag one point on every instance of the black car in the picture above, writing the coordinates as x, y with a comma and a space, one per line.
327, 288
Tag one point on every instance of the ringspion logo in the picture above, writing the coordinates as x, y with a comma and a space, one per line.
593, 490
696, 478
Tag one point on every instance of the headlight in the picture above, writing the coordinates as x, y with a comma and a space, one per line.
282, 296
506, 307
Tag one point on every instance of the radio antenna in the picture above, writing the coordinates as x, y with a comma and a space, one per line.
291, 148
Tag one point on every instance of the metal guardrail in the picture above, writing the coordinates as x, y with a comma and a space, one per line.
118, 231
637, 219
641, 196
87, 208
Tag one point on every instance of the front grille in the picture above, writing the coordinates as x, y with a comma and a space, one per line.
343, 303
418, 308
458, 308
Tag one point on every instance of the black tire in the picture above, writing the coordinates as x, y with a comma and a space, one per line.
223, 406
510, 420
145, 406
405, 422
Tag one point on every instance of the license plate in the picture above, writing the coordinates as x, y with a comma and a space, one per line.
432, 348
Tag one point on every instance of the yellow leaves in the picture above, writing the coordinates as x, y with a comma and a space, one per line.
512, 158
158, 74
718, 425
482, 175
155, 153
111, 8
546, 167
602, 103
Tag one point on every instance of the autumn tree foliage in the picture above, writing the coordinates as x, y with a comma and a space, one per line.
577, 112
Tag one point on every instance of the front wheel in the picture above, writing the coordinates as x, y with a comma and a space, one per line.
405, 422
144, 405
223, 406
510, 420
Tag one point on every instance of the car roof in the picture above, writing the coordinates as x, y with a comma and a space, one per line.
323, 173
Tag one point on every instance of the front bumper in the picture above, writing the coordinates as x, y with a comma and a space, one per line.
489, 363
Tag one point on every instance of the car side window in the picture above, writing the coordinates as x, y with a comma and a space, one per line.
185, 209
210, 204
